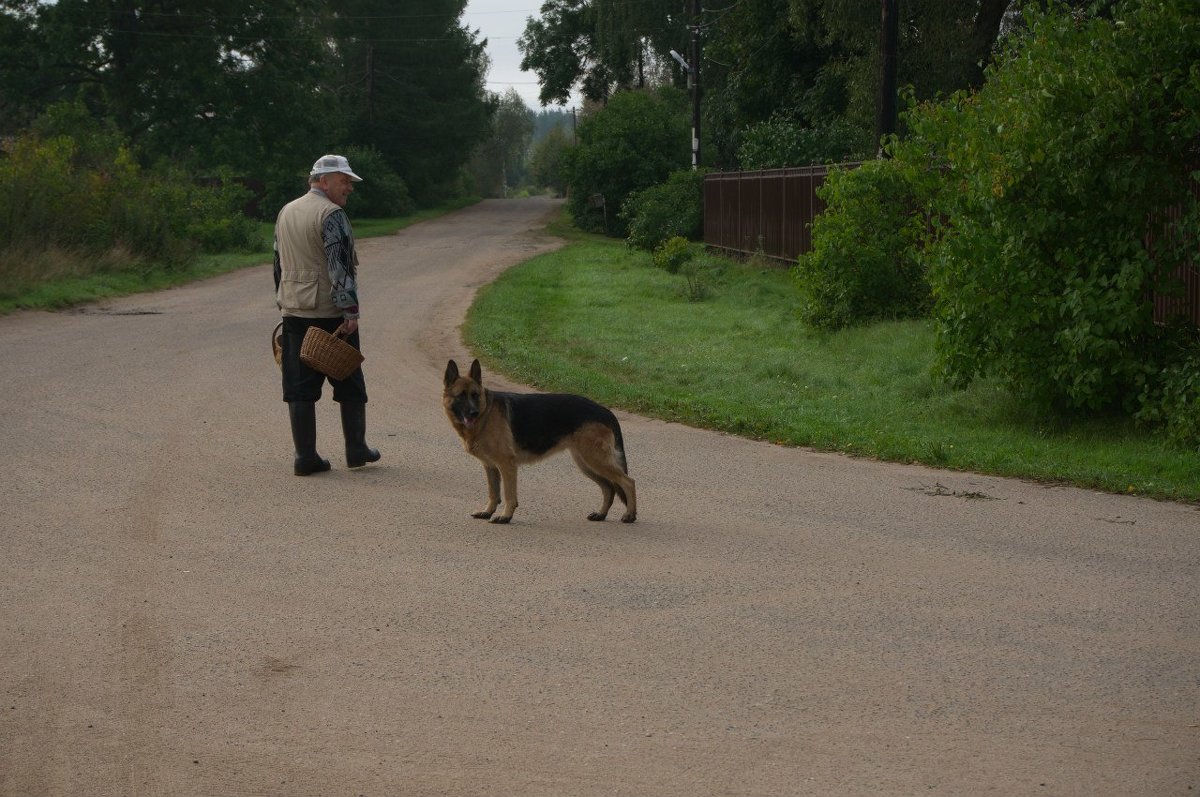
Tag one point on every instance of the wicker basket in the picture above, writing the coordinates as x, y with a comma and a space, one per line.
277, 344
329, 354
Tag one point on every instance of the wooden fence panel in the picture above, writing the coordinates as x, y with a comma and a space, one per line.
768, 212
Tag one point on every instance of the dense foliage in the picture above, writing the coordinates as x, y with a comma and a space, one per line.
501, 161
782, 141
384, 194
260, 87
673, 208
85, 192
1051, 172
547, 163
409, 81
866, 262
601, 46
635, 142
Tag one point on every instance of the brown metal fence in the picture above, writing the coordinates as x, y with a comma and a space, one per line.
770, 212
1186, 303
767, 212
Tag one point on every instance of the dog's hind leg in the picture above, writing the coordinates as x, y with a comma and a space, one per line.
493, 482
607, 490
619, 482
628, 490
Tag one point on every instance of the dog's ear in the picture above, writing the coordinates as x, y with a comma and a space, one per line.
477, 372
451, 374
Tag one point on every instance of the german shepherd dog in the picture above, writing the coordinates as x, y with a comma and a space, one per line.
504, 430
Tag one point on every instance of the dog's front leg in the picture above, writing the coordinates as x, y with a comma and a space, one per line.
508, 476
493, 481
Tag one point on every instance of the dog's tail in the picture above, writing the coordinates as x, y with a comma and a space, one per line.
619, 445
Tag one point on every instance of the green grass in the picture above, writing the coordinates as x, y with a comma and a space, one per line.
598, 319
65, 279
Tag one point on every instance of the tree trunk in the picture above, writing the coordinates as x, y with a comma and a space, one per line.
983, 37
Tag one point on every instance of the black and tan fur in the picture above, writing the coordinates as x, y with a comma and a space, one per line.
505, 430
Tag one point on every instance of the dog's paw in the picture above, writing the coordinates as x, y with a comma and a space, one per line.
628, 517
501, 519
483, 515
597, 516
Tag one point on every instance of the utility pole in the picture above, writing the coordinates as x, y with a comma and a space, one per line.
695, 76
693, 73
885, 117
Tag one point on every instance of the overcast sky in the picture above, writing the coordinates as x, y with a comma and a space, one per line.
502, 22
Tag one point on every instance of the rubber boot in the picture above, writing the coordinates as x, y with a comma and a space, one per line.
354, 428
304, 435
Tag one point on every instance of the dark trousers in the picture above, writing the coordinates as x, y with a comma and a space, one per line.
301, 383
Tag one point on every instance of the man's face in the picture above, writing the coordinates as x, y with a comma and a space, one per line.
337, 186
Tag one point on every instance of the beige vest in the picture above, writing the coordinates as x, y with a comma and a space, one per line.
304, 287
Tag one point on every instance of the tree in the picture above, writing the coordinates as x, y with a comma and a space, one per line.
548, 119
789, 82
204, 83
548, 163
1083, 132
412, 86
941, 46
634, 142
601, 45
500, 162
262, 86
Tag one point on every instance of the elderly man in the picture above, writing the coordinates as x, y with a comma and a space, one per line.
316, 285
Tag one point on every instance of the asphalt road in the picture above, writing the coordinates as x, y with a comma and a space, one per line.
183, 616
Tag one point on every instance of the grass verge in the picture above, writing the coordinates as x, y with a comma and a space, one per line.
598, 319
51, 280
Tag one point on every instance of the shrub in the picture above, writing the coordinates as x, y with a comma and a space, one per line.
674, 208
218, 225
866, 261
672, 254
781, 142
1171, 398
634, 142
382, 193
1052, 169
86, 193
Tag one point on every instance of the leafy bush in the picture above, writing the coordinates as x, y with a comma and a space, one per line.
382, 193
217, 225
672, 254
866, 261
1081, 133
82, 190
678, 256
781, 142
633, 143
673, 208
1173, 399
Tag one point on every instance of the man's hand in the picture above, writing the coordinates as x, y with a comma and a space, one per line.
349, 326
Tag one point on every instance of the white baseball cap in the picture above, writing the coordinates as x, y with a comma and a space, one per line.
328, 164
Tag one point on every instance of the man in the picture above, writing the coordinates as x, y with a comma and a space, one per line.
316, 284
